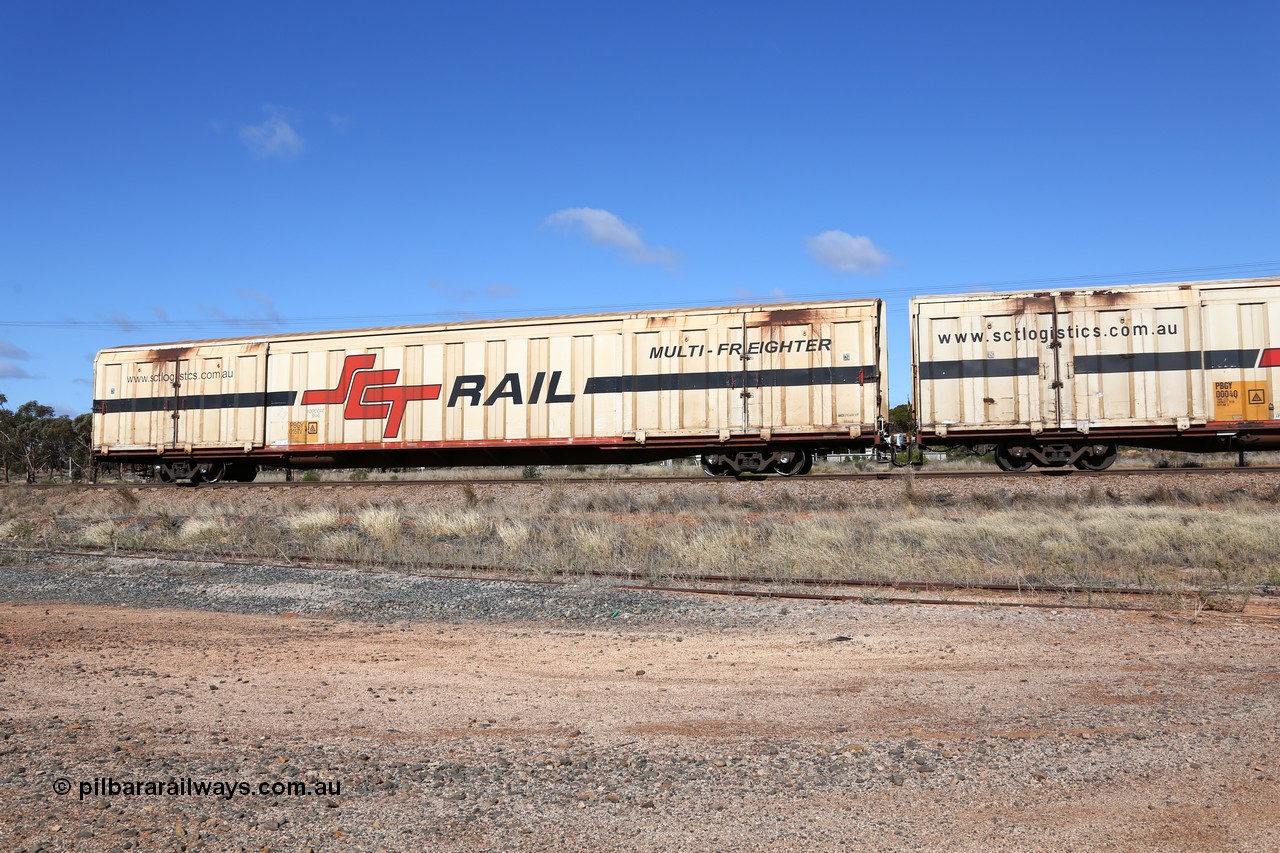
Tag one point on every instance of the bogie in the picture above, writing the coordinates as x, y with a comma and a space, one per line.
788, 462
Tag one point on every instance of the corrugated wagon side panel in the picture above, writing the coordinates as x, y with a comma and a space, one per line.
853, 343
646, 408
583, 367
539, 413
697, 405
607, 410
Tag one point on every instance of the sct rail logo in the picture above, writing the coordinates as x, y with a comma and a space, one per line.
370, 393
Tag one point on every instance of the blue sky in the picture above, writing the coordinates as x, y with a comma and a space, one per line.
172, 170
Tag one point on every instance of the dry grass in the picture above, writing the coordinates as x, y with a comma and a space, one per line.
438, 523
313, 522
381, 523
1217, 546
202, 530
103, 534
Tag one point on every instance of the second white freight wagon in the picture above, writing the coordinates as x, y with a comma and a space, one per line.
1061, 377
749, 388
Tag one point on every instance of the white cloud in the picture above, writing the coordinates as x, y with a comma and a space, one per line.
845, 252
275, 137
468, 294
9, 370
605, 229
267, 318
743, 294
8, 350
268, 306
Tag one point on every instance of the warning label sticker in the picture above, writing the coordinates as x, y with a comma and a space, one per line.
1240, 401
304, 432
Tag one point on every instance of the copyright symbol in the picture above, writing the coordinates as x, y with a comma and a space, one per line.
62, 785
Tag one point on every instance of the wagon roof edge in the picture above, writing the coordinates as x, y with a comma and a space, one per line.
496, 322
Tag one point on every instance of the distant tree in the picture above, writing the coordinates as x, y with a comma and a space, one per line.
33, 439
31, 430
65, 444
82, 426
6, 437
902, 418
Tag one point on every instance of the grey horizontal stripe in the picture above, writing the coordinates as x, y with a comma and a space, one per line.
1138, 362
974, 368
196, 402
1215, 359
1145, 362
790, 377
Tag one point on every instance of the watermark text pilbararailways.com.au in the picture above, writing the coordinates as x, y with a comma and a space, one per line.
227, 789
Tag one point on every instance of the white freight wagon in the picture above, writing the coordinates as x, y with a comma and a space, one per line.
749, 388
1061, 377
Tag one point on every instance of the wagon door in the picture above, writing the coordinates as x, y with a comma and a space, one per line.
220, 400
986, 364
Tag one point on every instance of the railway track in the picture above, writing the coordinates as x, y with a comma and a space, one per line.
692, 479
1259, 603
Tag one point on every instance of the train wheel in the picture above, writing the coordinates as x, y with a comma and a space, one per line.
713, 467
1007, 461
793, 463
164, 473
214, 472
1097, 462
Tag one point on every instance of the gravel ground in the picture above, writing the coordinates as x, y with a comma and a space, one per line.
461, 715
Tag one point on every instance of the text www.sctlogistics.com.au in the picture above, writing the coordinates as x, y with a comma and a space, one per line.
1060, 333
227, 789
